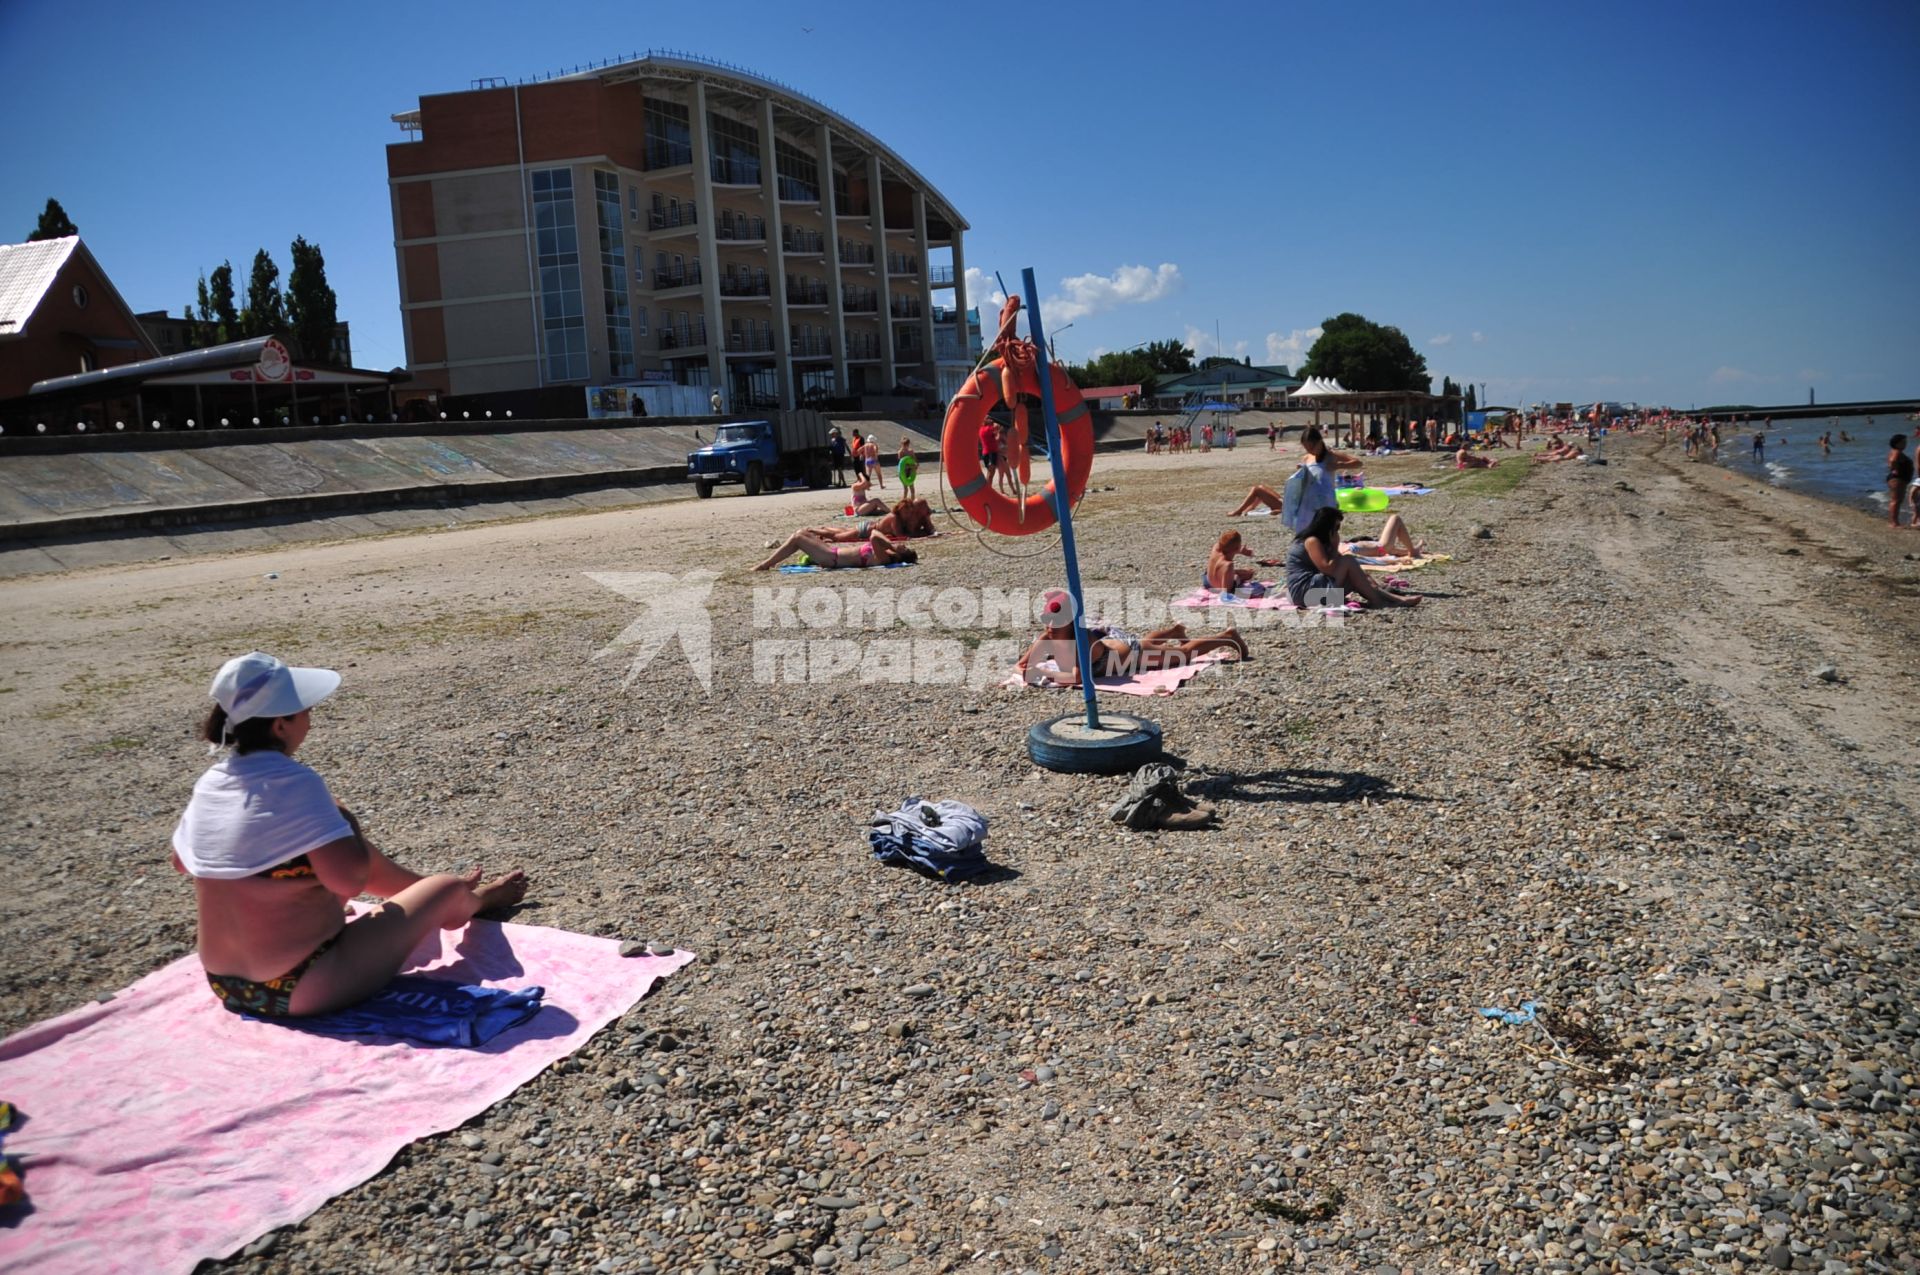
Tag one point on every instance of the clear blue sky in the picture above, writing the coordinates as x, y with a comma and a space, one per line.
1658, 202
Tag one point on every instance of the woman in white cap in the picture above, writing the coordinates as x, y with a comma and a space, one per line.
274, 861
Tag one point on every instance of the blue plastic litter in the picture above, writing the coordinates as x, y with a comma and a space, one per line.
1511, 1017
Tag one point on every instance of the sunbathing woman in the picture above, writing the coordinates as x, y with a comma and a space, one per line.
907, 520
1320, 462
1394, 541
274, 861
831, 555
1463, 459
1315, 565
1115, 652
1223, 576
1561, 449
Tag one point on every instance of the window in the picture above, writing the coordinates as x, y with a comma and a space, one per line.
640, 320
562, 313
613, 274
799, 175
80, 296
734, 157
669, 137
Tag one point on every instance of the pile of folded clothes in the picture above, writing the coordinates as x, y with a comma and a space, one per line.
941, 837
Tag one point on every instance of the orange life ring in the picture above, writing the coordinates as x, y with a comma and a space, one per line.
960, 454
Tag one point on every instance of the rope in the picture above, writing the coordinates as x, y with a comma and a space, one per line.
978, 531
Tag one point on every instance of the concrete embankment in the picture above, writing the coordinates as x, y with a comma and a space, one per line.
67, 492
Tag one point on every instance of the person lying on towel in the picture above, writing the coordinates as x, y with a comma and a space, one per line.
274, 860
1053, 660
831, 555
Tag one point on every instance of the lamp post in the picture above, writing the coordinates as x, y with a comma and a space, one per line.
1054, 336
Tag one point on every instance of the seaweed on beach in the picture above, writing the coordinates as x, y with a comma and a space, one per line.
1586, 1040
1321, 1210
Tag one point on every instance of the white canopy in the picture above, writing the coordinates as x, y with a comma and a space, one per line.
1318, 387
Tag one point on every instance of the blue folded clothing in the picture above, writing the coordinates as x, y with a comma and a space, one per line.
428, 1011
943, 837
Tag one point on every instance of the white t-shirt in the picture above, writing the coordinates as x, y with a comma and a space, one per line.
251, 812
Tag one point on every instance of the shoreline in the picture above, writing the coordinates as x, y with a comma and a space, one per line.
1594, 769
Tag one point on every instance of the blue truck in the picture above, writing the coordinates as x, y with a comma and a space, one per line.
763, 455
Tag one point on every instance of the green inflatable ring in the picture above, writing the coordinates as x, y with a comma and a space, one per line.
1361, 500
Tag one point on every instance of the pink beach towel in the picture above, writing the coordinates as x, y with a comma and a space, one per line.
158, 1129
1156, 682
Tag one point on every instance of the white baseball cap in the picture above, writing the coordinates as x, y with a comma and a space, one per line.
258, 685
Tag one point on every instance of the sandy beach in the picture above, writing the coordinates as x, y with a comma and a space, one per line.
1596, 769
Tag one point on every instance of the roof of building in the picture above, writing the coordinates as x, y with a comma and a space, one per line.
27, 270
1238, 375
1110, 391
690, 66
234, 354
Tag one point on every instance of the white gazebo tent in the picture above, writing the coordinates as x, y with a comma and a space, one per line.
1317, 388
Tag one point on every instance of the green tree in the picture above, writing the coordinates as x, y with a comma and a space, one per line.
266, 311
1124, 367
1363, 355
219, 323
1168, 357
1472, 402
312, 308
192, 338
54, 223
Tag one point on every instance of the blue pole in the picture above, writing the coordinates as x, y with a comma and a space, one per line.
1062, 497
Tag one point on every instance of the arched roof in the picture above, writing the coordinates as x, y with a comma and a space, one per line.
688, 67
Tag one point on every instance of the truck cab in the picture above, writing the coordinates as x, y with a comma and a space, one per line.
741, 452
761, 455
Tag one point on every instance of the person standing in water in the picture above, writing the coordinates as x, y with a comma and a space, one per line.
1899, 477
1759, 448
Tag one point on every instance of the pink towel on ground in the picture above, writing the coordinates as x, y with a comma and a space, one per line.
1163, 681
1202, 599
158, 1129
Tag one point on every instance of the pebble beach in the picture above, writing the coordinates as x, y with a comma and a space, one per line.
1643, 758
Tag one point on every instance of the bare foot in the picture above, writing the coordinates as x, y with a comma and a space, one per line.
1240, 643
1395, 599
503, 891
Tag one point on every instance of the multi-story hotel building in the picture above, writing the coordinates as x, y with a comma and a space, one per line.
670, 215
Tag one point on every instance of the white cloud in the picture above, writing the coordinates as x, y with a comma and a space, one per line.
1814, 374
1478, 337
1089, 294
1445, 338
1204, 346
983, 293
1292, 347
1724, 375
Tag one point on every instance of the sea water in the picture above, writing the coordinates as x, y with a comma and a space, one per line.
1854, 473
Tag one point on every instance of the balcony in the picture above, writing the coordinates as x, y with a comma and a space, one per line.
855, 254
677, 277
806, 294
804, 243
733, 172
744, 284
674, 217
668, 155
817, 347
750, 343
860, 301
902, 263
863, 347
904, 308
940, 276
740, 228
685, 336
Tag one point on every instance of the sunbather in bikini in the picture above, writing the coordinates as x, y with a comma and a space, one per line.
1115, 652
274, 861
1463, 459
831, 555
907, 520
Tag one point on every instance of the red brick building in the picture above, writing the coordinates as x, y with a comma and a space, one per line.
60, 314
